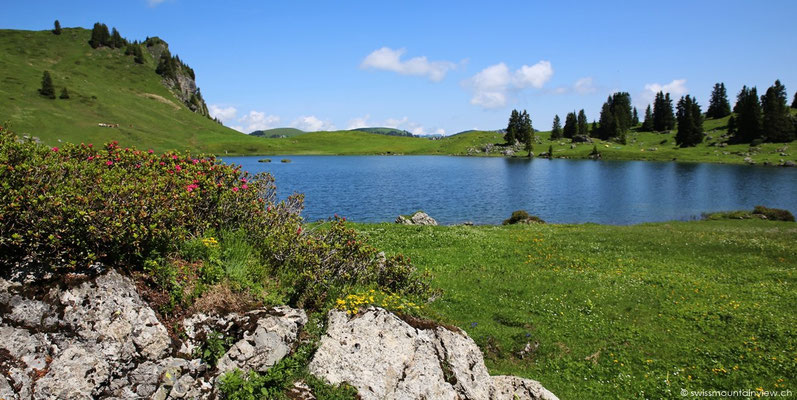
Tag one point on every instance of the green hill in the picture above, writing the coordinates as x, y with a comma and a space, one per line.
278, 133
385, 131
105, 86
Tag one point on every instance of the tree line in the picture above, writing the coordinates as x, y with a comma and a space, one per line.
753, 119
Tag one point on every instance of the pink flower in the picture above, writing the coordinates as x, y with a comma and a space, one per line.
91, 145
299, 231
91, 158
178, 167
55, 149
150, 151
174, 157
191, 187
234, 188
162, 163
243, 180
244, 186
195, 161
109, 162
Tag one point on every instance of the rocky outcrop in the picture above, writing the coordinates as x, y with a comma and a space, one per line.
100, 339
418, 218
386, 358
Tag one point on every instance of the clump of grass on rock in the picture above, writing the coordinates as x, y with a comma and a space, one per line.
522, 217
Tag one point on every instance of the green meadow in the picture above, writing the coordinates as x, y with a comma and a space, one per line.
621, 312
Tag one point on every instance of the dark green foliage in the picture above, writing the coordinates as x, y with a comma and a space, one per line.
582, 123
593, 131
690, 123
522, 217
550, 151
663, 116
594, 151
777, 121
556, 130
64, 94
526, 133
635, 118
116, 40
732, 127
512, 128
616, 117
213, 347
647, 125
774, 214
748, 123
100, 36
794, 102
718, 106
167, 67
57, 28
571, 125
138, 54
47, 89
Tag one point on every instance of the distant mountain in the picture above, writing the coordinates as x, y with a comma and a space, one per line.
278, 133
385, 131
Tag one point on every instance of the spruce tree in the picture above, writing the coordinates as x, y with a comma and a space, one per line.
690, 123
647, 125
512, 128
526, 132
138, 54
663, 116
794, 102
608, 122
732, 127
47, 89
582, 123
748, 116
116, 40
571, 126
64, 94
57, 28
100, 36
594, 130
635, 118
718, 106
777, 124
669, 115
556, 130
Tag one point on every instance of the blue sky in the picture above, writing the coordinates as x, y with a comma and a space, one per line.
445, 67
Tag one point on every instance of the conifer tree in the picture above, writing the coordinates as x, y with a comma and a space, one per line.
748, 116
732, 127
138, 54
690, 123
582, 123
64, 94
663, 116
100, 36
556, 130
616, 116
608, 122
718, 106
57, 28
526, 132
594, 130
669, 115
47, 89
116, 40
794, 102
571, 126
635, 118
647, 125
777, 122
512, 128
550, 151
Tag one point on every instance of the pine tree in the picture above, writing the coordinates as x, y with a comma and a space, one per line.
608, 122
663, 116
594, 130
57, 28
571, 126
582, 123
64, 94
732, 127
690, 123
635, 118
550, 151
47, 89
138, 54
100, 36
647, 125
748, 116
777, 124
556, 130
526, 132
116, 40
616, 117
669, 115
512, 128
718, 106
794, 102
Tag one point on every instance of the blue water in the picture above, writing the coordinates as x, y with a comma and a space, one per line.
486, 190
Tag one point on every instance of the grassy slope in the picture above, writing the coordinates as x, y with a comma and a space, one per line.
287, 132
639, 146
619, 311
105, 86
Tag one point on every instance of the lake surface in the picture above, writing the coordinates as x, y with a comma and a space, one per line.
486, 190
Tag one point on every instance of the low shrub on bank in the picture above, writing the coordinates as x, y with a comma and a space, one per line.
759, 212
174, 215
774, 214
522, 217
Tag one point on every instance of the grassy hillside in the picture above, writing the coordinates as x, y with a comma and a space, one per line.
618, 312
277, 132
385, 131
105, 87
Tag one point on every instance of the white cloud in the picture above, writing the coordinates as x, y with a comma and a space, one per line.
584, 86
675, 88
224, 114
533, 76
390, 60
395, 123
257, 121
358, 122
491, 86
440, 131
311, 123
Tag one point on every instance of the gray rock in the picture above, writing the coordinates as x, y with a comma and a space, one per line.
386, 358
75, 373
418, 218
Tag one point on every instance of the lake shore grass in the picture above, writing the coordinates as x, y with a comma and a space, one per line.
639, 311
